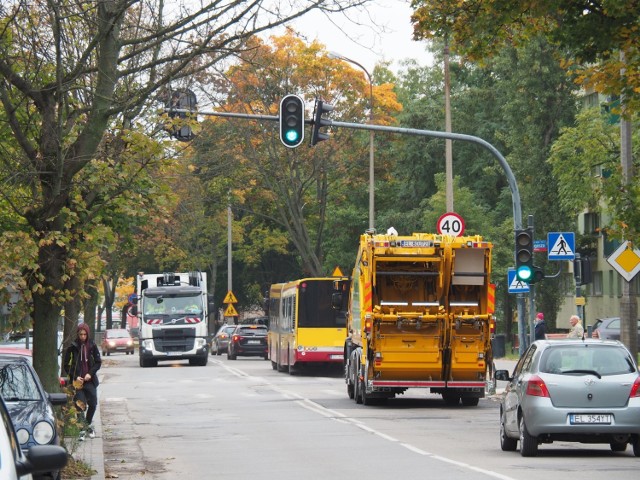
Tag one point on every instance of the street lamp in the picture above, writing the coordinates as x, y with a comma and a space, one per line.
371, 174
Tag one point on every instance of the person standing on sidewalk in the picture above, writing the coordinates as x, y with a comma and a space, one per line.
577, 330
540, 329
82, 362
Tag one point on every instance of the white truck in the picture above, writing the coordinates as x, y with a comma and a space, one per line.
173, 309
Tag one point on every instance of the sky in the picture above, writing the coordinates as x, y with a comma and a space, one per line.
369, 44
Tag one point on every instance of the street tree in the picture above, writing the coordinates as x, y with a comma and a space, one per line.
71, 71
290, 187
596, 40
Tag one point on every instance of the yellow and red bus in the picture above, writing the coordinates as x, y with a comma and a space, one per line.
307, 322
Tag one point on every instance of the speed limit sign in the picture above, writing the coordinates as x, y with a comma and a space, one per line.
451, 224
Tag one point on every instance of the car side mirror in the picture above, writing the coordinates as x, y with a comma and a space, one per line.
503, 375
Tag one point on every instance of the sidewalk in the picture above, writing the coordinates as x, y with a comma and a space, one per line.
91, 450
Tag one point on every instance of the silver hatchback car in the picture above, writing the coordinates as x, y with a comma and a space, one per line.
585, 391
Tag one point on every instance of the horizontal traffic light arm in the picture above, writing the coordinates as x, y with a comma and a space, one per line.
511, 179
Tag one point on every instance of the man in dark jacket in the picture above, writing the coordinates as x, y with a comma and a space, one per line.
540, 330
82, 362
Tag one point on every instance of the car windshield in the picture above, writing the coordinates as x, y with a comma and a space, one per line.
119, 334
247, 331
17, 383
603, 359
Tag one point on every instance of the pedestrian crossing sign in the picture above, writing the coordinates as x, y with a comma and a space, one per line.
230, 311
562, 245
230, 298
516, 285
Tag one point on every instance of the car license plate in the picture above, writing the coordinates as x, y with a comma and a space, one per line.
174, 354
591, 418
253, 342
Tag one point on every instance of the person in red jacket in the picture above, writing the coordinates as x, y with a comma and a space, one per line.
81, 363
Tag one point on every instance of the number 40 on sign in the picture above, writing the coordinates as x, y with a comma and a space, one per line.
450, 224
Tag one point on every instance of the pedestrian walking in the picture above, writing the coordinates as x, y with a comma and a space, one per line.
540, 330
577, 330
81, 363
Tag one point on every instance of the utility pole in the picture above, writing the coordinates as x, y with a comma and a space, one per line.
447, 126
628, 304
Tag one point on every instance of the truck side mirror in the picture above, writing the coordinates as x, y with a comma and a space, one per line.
336, 301
134, 310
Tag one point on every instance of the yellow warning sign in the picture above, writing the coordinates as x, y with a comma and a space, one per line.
230, 311
337, 272
230, 298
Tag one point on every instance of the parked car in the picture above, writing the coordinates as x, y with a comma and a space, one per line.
16, 464
29, 406
572, 391
28, 354
609, 328
220, 341
248, 341
117, 340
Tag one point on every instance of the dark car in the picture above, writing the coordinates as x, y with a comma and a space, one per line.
30, 407
220, 341
585, 391
15, 463
609, 328
117, 340
248, 341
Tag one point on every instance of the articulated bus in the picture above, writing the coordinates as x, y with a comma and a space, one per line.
307, 322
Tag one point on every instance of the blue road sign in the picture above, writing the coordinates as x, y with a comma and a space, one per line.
539, 245
562, 245
515, 285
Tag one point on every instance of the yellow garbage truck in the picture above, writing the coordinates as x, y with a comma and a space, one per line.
419, 317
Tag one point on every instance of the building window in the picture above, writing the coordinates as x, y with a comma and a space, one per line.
596, 284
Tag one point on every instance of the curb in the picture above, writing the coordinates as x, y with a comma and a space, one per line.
90, 451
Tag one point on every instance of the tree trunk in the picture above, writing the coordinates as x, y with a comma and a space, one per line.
46, 314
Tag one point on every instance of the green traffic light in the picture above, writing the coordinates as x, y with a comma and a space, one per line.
524, 273
291, 136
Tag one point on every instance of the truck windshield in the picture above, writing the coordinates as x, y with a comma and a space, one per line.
172, 304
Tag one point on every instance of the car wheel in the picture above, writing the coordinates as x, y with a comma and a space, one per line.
618, 446
636, 446
230, 356
507, 444
274, 365
528, 443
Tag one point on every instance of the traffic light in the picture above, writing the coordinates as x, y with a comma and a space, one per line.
526, 271
318, 122
524, 254
582, 270
180, 100
291, 121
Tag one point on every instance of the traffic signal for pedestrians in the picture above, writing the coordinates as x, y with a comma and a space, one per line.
318, 121
291, 121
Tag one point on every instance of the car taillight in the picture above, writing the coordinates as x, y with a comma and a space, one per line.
536, 387
235, 338
635, 389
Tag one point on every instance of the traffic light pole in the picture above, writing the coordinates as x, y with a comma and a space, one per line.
511, 179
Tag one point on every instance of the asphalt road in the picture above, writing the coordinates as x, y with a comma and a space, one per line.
241, 419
